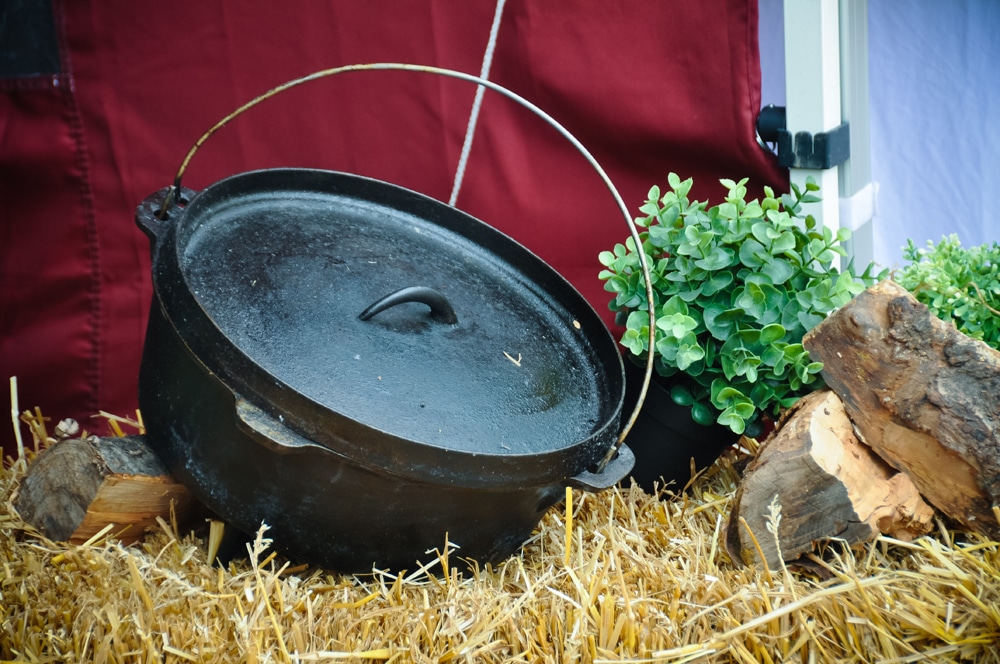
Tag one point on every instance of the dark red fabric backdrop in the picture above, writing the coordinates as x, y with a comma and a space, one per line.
648, 87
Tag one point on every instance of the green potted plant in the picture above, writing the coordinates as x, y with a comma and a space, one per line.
736, 286
958, 284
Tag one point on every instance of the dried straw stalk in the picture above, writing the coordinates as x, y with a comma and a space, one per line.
635, 579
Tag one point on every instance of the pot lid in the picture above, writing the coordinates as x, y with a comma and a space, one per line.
486, 350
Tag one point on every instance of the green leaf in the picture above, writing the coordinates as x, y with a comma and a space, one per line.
638, 320
765, 233
692, 294
809, 320
755, 278
785, 241
634, 341
606, 258
794, 351
771, 333
726, 395
684, 188
750, 253
738, 359
676, 325
616, 284
669, 215
660, 236
827, 256
730, 418
674, 305
778, 270
702, 414
688, 353
753, 210
775, 358
736, 407
692, 244
666, 348
717, 259
752, 300
718, 281
721, 323
750, 337
744, 409
681, 395
728, 211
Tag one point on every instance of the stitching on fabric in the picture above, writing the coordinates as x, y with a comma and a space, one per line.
92, 374
41, 83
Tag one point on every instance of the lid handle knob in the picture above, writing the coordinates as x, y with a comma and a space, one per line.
441, 309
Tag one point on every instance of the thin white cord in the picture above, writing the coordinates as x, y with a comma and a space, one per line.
470, 130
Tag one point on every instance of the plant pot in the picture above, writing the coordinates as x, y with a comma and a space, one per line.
664, 438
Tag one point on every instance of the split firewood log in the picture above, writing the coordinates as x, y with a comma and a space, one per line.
76, 487
923, 395
813, 481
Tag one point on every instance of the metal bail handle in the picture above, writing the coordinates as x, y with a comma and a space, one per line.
171, 196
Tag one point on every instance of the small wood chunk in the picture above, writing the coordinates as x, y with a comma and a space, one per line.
923, 395
76, 487
826, 484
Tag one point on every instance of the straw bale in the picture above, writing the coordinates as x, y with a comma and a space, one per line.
639, 578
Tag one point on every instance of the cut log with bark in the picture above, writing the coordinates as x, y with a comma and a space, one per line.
76, 487
813, 481
923, 395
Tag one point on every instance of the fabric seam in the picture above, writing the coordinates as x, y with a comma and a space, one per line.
75, 120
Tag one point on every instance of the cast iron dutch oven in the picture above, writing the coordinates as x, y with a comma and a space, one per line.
368, 371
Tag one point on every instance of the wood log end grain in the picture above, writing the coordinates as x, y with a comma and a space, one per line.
921, 394
76, 487
813, 481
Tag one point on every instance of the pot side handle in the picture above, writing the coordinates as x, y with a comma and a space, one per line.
613, 472
269, 432
151, 216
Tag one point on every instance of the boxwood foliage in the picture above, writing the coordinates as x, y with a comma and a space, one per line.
960, 285
736, 286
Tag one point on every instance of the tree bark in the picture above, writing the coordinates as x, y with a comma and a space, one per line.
923, 395
76, 487
811, 481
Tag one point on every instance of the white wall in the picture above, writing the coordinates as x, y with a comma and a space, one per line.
934, 70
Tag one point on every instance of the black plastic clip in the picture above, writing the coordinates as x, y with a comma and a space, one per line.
816, 151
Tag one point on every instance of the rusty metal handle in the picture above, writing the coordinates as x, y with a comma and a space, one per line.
169, 200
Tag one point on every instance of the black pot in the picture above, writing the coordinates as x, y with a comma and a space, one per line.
665, 439
282, 387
